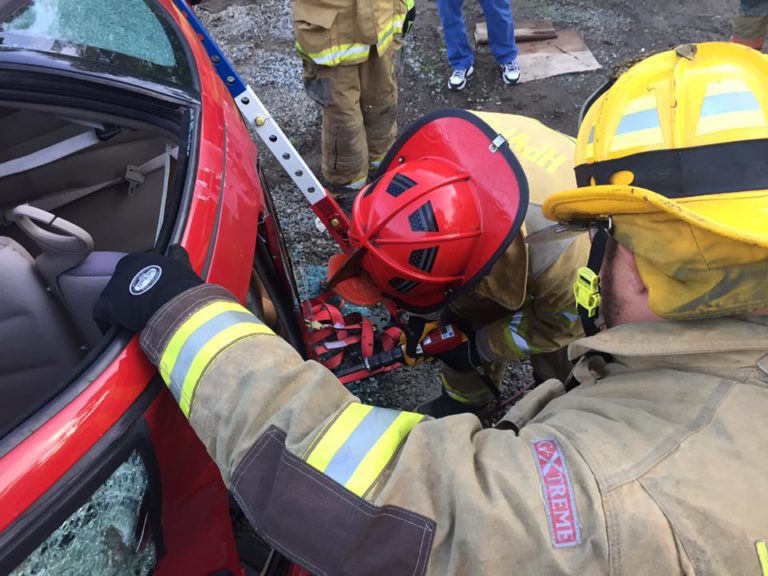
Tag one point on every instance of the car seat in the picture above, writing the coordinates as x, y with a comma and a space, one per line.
39, 342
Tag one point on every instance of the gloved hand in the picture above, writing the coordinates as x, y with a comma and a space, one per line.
464, 357
140, 286
413, 333
410, 16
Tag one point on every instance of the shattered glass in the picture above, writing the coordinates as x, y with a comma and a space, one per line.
96, 30
108, 536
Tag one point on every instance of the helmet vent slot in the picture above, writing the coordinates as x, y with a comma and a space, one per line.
402, 285
423, 258
399, 184
423, 219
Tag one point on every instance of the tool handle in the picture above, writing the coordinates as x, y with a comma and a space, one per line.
383, 359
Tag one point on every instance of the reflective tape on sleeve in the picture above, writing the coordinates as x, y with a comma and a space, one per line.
762, 556
516, 335
359, 443
201, 337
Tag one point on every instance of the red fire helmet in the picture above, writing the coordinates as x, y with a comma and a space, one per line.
450, 198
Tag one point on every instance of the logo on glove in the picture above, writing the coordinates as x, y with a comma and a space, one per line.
145, 279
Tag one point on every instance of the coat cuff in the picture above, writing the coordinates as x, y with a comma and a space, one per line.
167, 320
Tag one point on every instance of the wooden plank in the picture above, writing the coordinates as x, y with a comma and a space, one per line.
565, 54
525, 31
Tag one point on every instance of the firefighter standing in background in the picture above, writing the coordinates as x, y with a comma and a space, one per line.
348, 49
511, 305
654, 464
750, 27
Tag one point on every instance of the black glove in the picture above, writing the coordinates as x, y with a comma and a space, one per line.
464, 357
140, 286
410, 16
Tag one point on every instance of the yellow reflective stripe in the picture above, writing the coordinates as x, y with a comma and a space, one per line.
190, 325
762, 555
516, 334
726, 86
641, 104
209, 351
646, 137
336, 54
337, 434
731, 121
471, 398
379, 456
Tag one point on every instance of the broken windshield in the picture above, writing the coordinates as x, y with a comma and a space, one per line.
131, 35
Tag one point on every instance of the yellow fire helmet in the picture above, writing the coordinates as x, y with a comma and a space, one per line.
680, 132
674, 155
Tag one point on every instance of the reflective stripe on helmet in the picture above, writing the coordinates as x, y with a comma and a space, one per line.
359, 444
199, 339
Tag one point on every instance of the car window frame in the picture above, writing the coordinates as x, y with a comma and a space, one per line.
181, 76
72, 490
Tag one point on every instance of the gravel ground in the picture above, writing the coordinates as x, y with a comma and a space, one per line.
258, 37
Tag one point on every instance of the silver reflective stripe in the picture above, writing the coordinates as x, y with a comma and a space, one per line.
356, 447
200, 338
50, 154
520, 341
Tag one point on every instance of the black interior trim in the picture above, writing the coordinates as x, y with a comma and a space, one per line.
220, 207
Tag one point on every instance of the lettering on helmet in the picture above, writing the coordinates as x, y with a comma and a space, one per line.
557, 490
145, 279
542, 155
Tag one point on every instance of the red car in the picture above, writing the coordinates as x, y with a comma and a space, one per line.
116, 135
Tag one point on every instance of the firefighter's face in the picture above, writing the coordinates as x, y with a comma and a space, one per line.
624, 296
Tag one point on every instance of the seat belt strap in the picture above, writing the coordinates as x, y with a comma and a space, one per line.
49, 154
59, 199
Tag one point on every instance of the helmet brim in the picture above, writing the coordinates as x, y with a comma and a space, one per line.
741, 216
357, 289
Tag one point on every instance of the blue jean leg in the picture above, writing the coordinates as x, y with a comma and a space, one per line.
460, 53
501, 29
754, 8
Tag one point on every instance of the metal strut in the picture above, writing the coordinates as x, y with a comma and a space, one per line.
256, 114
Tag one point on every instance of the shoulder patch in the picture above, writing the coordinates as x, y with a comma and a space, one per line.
557, 491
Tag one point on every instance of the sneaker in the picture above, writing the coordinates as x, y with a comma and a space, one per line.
458, 80
510, 73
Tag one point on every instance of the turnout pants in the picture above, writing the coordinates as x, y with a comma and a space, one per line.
751, 25
359, 108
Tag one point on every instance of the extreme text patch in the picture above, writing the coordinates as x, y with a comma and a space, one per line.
558, 493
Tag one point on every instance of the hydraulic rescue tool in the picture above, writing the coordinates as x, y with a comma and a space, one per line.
328, 331
439, 340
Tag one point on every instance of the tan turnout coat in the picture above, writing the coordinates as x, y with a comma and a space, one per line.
656, 464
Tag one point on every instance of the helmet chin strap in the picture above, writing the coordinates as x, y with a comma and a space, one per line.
586, 288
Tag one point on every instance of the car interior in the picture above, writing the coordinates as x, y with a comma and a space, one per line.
75, 195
